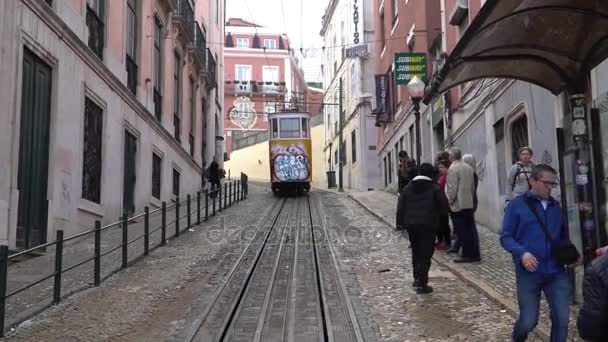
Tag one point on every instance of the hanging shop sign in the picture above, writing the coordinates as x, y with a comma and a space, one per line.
382, 98
356, 51
409, 65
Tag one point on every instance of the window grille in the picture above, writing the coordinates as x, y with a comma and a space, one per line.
91, 168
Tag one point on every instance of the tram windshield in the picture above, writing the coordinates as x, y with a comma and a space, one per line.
305, 128
290, 127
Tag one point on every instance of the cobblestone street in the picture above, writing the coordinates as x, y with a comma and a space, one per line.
160, 298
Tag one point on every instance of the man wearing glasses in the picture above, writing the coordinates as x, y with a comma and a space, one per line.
529, 219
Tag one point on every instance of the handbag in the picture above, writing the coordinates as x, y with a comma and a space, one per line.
564, 252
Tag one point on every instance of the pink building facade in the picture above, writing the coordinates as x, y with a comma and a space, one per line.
126, 104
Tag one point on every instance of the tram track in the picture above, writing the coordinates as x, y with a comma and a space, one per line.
285, 286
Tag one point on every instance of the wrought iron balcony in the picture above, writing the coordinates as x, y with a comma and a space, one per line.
197, 46
211, 72
237, 87
183, 18
96, 32
271, 87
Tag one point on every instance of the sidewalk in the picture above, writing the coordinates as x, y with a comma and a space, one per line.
494, 275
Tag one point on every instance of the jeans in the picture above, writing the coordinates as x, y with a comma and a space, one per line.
423, 239
556, 289
466, 231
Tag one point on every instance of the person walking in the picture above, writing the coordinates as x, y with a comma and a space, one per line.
444, 239
459, 190
403, 179
214, 177
592, 321
470, 160
518, 180
535, 233
421, 203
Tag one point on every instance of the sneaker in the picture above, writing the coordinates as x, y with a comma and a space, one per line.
424, 289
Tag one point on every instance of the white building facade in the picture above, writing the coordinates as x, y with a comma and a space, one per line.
109, 106
347, 33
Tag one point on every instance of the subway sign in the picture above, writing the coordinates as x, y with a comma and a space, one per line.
409, 65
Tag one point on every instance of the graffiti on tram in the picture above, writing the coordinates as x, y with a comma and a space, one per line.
291, 161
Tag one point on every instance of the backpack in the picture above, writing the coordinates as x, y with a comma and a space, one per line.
520, 170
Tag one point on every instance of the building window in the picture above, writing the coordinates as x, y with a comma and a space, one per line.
177, 95
95, 25
243, 72
270, 76
382, 29
132, 34
397, 158
289, 128
305, 128
390, 167
353, 142
158, 69
91, 161
401, 143
176, 182
192, 122
242, 42
519, 135
270, 44
157, 163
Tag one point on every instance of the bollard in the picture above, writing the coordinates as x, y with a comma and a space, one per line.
125, 238
163, 224
146, 231
198, 208
188, 212
97, 267
206, 205
3, 280
58, 267
177, 217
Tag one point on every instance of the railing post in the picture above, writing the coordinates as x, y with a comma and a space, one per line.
163, 224
214, 192
177, 217
238, 191
3, 279
146, 231
198, 208
58, 267
97, 267
188, 211
125, 239
206, 205
230, 195
219, 204
225, 194
234, 194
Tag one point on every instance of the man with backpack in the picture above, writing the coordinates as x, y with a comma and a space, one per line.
518, 180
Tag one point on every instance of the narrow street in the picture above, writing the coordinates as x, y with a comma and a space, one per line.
253, 274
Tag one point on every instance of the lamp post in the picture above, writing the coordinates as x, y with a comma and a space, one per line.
416, 90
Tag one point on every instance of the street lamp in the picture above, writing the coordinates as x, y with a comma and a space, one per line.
416, 90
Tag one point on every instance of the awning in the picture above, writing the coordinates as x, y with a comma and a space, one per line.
551, 43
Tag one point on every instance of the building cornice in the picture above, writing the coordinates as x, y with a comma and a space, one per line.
60, 28
329, 13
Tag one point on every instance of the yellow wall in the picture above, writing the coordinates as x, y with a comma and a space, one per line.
253, 160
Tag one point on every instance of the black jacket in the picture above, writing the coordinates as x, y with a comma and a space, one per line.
592, 319
421, 202
405, 179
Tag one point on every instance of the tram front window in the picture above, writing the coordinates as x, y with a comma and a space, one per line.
274, 125
290, 128
304, 128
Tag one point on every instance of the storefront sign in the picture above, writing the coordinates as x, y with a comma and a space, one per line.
356, 35
382, 98
409, 65
579, 118
437, 111
356, 51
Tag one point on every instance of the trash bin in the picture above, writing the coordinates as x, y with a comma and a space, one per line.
331, 179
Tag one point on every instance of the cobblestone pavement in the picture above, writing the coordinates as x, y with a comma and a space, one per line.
28, 270
159, 298
494, 274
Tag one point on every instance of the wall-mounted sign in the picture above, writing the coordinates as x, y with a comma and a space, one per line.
579, 118
356, 34
409, 65
356, 51
382, 97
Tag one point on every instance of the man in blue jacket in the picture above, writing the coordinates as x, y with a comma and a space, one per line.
536, 269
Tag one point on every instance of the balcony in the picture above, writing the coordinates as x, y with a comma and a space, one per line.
210, 74
197, 47
271, 88
249, 88
183, 19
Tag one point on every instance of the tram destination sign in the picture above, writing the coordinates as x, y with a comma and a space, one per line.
409, 65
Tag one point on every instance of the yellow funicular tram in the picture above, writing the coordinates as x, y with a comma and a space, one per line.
290, 152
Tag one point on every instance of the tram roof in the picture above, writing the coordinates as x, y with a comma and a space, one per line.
289, 114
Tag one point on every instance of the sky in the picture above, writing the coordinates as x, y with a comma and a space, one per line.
301, 22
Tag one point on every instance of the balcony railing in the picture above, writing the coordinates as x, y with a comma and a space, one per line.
271, 88
211, 73
183, 17
131, 75
96, 29
158, 105
191, 141
252, 87
198, 45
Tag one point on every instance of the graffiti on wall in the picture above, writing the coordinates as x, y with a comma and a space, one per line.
482, 170
290, 161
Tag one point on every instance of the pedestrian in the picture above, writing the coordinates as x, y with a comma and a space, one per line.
214, 177
403, 179
518, 180
444, 239
460, 188
421, 203
535, 233
470, 160
592, 319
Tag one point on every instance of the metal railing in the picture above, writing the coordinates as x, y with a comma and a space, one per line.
199, 44
184, 14
211, 74
216, 199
